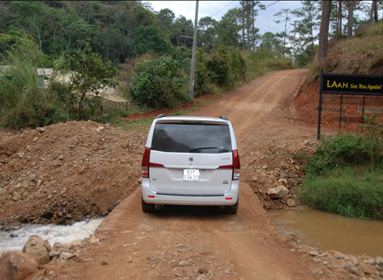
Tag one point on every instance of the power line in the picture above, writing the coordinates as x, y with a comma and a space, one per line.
272, 4
221, 9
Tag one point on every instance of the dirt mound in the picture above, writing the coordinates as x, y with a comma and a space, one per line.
66, 172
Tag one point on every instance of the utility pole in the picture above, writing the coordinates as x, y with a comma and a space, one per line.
191, 89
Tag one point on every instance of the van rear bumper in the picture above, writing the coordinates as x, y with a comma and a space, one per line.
227, 199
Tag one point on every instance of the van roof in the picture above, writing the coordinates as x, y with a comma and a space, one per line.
177, 119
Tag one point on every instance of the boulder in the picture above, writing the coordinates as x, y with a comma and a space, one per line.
291, 202
277, 192
15, 265
37, 248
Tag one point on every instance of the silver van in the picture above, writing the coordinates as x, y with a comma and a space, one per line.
190, 161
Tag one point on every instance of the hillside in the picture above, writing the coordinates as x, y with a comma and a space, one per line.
363, 55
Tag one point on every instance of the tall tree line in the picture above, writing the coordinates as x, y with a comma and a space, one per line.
121, 30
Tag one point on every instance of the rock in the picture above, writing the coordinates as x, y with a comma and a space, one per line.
286, 190
64, 250
16, 196
99, 129
337, 255
277, 192
94, 240
379, 260
291, 202
53, 254
283, 181
95, 147
37, 248
66, 256
353, 269
272, 177
41, 129
368, 270
75, 243
313, 253
16, 265
57, 246
13, 226
289, 237
184, 263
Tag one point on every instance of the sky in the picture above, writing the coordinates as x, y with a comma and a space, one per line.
216, 9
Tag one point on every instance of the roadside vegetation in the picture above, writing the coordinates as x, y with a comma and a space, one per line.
146, 56
345, 176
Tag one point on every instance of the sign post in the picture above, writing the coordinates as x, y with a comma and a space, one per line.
343, 84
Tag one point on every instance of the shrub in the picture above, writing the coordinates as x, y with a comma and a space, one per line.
345, 150
158, 83
218, 65
345, 176
349, 191
22, 102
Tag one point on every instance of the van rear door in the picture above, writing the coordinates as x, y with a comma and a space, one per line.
191, 158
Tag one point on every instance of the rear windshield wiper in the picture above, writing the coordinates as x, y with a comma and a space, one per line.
220, 149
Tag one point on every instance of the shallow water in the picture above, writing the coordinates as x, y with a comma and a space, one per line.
15, 239
331, 232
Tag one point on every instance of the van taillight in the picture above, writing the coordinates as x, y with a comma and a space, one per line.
145, 163
236, 165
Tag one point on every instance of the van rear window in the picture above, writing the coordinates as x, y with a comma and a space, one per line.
191, 138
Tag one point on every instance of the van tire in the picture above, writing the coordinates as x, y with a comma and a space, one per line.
147, 207
232, 209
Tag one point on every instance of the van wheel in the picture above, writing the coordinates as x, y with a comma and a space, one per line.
232, 209
147, 207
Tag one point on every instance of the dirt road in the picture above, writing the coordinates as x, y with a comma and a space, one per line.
202, 242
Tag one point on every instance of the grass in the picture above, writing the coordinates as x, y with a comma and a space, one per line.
345, 176
350, 191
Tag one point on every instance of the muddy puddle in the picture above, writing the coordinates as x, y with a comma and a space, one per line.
331, 232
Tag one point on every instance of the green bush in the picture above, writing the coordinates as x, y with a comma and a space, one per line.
345, 177
22, 102
348, 191
218, 66
345, 150
158, 84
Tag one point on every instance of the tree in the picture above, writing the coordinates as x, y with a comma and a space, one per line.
351, 5
158, 83
166, 17
374, 11
340, 16
90, 74
249, 13
286, 15
272, 43
304, 29
32, 16
207, 34
147, 39
323, 33
228, 28
182, 30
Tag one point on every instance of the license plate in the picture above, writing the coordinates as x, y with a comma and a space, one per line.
191, 175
